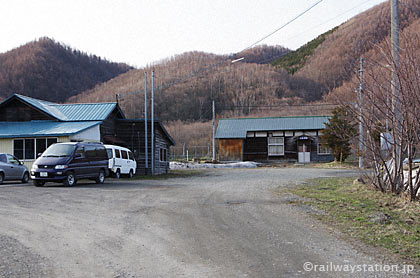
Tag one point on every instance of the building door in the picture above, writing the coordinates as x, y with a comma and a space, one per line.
304, 152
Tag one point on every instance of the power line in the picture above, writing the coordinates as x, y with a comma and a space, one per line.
207, 68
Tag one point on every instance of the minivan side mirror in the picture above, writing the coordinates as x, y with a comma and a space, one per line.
78, 155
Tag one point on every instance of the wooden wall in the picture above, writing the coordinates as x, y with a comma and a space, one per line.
231, 149
132, 134
17, 111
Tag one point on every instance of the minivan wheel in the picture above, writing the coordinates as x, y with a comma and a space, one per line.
118, 174
101, 177
39, 183
70, 180
130, 175
25, 178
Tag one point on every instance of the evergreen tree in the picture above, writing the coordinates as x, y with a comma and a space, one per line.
337, 134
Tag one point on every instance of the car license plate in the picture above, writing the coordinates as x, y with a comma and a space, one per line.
43, 174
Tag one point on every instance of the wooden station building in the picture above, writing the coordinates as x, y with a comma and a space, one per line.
289, 139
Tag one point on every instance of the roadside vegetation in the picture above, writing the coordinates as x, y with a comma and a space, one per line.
366, 214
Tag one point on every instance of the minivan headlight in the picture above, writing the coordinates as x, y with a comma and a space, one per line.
34, 166
60, 167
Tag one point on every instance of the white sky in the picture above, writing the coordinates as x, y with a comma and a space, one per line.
140, 32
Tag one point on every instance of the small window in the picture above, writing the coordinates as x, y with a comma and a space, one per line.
90, 151
130, 156
322, 149
41, 145
80, 152
29, 148
163, 154
101, 153
13, 160
51, 141
124, 154
18, 148
275, 146
117, 153
109, 151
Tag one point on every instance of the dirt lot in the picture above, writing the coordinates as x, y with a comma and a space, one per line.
221, 223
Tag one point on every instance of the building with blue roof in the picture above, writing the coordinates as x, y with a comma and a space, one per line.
293, 139
28, 126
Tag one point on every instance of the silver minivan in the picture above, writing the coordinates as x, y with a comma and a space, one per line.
121, 161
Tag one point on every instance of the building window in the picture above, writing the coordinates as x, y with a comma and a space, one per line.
275, 146
29, 148
163, 155
322, 149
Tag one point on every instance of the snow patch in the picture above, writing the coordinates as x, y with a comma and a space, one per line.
186, 165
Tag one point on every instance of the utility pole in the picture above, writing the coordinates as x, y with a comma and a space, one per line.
146, 146
395, 84
153, 124
214, 132
361, 147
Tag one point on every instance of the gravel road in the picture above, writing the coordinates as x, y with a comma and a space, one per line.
222, 223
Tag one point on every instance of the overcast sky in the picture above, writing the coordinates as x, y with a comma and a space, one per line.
140, 32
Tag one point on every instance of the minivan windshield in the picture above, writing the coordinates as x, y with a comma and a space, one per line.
59, 150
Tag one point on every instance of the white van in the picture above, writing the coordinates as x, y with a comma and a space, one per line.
121, 161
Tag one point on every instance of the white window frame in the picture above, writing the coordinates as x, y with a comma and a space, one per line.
35, 149
324, 153
275, 144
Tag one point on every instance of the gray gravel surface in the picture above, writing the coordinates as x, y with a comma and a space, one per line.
221, 223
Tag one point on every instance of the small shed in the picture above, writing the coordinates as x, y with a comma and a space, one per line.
131, 134
292, 139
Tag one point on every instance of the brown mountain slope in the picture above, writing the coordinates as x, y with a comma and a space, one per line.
49, 70
240, 87
336, 59
377, 65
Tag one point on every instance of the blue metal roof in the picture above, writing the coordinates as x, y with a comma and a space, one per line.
42, 105
72, 112
43, 128
237, 128
86, 111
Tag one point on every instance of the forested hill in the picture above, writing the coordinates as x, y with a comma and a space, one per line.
52, 71
238, 86
332, 58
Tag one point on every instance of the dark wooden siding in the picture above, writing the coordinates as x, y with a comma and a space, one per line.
230, 149
255, 148
18, 111
130, 134
108, 126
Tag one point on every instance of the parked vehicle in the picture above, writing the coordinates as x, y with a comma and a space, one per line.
121, 161
12, 169
70, 162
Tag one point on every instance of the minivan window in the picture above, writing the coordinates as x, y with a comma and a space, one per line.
3, 158
124, 154
90, 151
109, 151
130, 155
117, 153
101, 153
80, 151
58, 150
